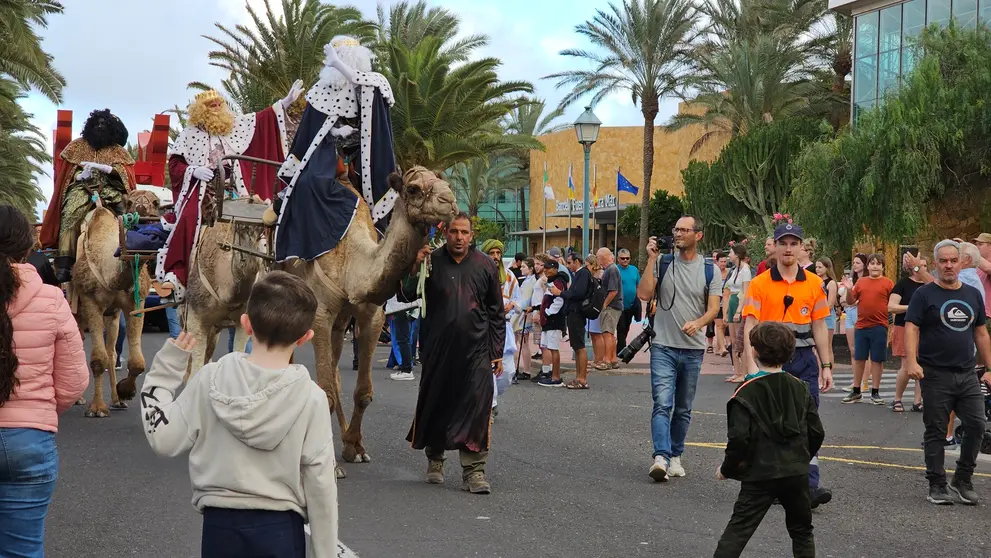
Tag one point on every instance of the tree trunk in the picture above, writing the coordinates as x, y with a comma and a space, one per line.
649, 115
524, 222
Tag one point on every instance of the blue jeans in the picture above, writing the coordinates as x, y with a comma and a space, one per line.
175, 328
230, 341
805, 366
674, 375
28, 470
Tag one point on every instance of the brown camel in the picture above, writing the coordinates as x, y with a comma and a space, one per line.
102, 286
220, 281
357, 277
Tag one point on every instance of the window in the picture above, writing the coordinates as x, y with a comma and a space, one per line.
986, 12
865, 64
938, 11
965, 12
889, 66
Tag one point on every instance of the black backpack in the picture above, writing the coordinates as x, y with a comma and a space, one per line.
592, 304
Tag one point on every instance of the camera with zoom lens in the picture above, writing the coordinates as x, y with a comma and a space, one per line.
634, 346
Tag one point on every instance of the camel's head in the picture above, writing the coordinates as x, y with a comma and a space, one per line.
427, 198
143, 202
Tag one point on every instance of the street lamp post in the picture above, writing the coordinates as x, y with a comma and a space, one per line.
587, 128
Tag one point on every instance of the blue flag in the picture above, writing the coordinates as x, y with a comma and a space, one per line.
624, 185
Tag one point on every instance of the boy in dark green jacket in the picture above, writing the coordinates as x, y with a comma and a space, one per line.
773, 431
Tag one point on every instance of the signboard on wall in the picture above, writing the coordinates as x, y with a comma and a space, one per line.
577, 206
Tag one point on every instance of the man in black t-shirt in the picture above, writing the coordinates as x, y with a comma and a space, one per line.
944, 331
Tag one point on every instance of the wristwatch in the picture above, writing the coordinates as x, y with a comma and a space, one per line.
827, 365
916, 269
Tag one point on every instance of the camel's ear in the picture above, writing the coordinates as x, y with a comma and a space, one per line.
395, 182
439, 175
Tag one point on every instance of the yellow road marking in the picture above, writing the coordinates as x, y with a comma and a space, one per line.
714, 445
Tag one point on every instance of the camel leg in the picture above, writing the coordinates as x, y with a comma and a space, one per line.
99, 360
112, 326
369, 319
328, 375
202, 350
127, 388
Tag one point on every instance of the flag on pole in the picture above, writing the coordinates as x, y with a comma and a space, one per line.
548, 191
624, 185
595, 194
571, 185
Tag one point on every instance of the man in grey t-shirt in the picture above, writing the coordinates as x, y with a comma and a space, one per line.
612, 309
685, 305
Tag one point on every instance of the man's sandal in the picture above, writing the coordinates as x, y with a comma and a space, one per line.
898, 407
575, 384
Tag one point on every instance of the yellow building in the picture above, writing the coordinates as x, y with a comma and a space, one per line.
618, 148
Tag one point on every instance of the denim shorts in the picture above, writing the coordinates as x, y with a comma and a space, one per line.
831, 320
871, 342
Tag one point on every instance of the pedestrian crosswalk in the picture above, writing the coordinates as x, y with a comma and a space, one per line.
342, 550
888, 378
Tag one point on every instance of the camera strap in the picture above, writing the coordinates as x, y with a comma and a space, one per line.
663, 264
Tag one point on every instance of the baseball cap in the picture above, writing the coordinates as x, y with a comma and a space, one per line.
551, 263
554, 252
983, 237
788, 229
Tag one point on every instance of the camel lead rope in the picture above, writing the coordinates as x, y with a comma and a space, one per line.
421, 284
137, 284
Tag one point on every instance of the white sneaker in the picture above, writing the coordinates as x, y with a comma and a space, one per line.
402, 376
675, 469
659, 470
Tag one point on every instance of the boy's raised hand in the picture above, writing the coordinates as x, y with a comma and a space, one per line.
185, 341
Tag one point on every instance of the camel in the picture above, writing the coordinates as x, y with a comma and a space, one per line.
102, 286
220, 281
357, 277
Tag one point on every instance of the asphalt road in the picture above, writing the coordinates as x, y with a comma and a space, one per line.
569, 477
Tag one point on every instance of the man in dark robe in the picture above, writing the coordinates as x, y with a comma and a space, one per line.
463, 336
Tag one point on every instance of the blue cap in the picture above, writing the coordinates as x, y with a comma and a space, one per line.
788, 229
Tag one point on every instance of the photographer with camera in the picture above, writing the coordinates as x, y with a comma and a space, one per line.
794, 297
687, 300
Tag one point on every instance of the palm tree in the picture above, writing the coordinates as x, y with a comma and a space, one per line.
643, 51
477, 181
530, 119
21, 55
265, 60
22, 151
446, 114
742, 84
409, 24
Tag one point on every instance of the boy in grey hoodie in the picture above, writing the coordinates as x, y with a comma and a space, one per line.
258, 432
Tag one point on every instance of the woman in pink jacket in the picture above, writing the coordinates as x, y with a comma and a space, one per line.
43, 371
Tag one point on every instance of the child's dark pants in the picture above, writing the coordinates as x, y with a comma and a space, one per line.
755, 499
229, 533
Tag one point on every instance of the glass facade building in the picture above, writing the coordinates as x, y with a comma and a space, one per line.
882, 42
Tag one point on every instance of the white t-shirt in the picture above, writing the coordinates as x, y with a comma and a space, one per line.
737, 277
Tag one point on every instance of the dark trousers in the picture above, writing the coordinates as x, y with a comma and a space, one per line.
229, 533
623, 329
401, 322
755, 499
805, 366
944, 391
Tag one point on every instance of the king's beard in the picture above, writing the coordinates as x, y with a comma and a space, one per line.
215, 121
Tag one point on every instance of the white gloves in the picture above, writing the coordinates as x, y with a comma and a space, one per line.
294, 93
90, 167
203, 173
342, 132
333, 60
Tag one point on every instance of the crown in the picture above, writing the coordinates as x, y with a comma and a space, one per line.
208, 96
346, 41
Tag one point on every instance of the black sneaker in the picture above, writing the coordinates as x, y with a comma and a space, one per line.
537, 377
821, 496
939, 495
964, 489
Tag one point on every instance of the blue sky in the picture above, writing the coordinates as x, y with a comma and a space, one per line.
135, 57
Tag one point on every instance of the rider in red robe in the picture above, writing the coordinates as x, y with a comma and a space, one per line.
213, 133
